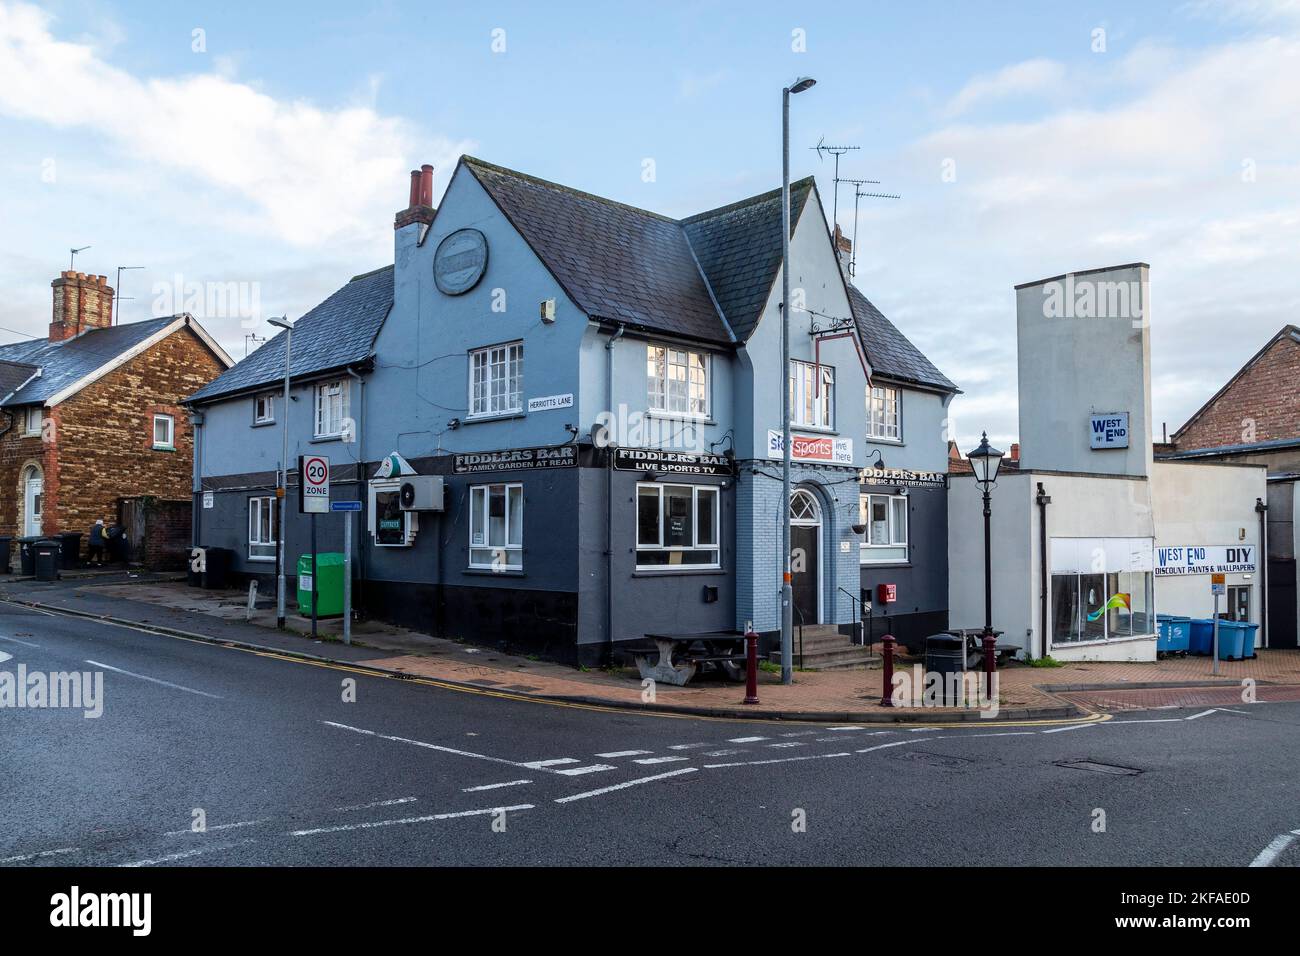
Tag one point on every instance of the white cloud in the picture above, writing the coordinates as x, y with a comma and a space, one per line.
1030, 78
306, 173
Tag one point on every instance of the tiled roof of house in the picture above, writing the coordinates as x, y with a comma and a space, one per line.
13, 374
68, 361
739, 250
339, 332
889, 351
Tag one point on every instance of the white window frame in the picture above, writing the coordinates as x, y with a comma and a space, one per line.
410, 522
804, 382
38, 411
266, 417
257, 506
324, 406
691, 371
898, 538
879, 424
484, 400
695, 545
480, 500
170, 443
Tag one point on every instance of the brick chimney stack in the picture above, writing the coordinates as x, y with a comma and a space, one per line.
420, 203
81, 303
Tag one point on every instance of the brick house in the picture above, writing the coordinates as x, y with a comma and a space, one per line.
90, 418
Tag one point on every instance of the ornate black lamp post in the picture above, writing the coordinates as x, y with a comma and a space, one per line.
985, 461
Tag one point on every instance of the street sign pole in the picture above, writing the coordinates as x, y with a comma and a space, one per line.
313, 499
314, 584
347, 577
1217, 586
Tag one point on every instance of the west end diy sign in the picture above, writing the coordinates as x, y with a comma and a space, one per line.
1234, 559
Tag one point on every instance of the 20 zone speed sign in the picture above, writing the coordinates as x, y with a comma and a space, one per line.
313, 484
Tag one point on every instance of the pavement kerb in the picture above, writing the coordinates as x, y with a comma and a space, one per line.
1005, 714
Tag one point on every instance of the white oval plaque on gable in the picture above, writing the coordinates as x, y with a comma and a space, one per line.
460, 261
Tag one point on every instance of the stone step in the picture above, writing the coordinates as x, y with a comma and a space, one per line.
843, 655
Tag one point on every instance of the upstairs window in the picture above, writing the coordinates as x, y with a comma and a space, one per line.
164, 432
677, 381
331, 408
496, 379
812, 395
883, 420
264, 409
32, 420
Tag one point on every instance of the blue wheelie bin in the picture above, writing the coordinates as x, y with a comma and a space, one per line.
1174, 634
1230, 635
1247, 638
1202, 637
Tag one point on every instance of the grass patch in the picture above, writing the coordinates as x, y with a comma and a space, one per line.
1048, 661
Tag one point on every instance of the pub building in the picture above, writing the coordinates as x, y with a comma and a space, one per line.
587, 396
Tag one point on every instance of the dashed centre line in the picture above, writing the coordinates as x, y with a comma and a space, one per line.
654, 760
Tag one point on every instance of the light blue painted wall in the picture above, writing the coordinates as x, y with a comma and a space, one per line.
925, 426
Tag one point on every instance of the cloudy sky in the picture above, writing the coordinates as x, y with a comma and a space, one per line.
269, 147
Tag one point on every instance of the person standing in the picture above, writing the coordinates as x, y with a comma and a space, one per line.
95, 549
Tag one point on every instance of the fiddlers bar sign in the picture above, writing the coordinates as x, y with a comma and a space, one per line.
671, 462
516, 459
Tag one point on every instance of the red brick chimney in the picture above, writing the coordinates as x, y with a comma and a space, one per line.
420, 203
81, 303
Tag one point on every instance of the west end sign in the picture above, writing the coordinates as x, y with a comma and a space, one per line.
1228, 559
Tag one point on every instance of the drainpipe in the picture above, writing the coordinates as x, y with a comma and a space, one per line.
609, 491
1043, 499
1262, 509
196, 523
358, 538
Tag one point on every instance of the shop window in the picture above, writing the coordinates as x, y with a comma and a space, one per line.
331, 409
676, 526
164, 432
264, 409
885, 539
1099, 607
883, 418
390, 526
496, 527
496, 379
677, 381
812, 395
262, 528
32, 420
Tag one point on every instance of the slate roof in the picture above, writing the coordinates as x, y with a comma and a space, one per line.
739, 249
13, 374
63, 363
615, 261
889, 351
339, 332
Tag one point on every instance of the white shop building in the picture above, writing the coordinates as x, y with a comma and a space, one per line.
1090, 536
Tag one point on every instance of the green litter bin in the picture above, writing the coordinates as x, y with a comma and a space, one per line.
329, 584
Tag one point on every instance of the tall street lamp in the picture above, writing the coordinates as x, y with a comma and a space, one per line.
984, 461
787, 591
281, 491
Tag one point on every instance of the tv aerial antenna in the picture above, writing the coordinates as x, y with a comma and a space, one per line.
858, 195
837, 151
72, 259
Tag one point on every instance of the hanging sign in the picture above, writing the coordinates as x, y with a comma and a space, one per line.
671, 462
516, 459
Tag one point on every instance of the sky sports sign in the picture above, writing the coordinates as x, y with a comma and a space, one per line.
818, 448
1237, 559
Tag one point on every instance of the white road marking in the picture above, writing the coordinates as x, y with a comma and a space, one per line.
170, 857
1229, 710
427, 746
1154, 720
653, 760
154, 680
721, 753
593, 768
495, 786
624, 753
16, 641
896, 743
543, 764
1268, 854
744, 740
800, 733
371, 824
377, 803
844, 728
1204, 713
686, 746
223, 826
759, 763
5, 657
39, 854
790, 743
1002, 733
1061, 730
626, 784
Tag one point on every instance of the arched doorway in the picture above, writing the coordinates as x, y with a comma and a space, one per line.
805, 556
33, 492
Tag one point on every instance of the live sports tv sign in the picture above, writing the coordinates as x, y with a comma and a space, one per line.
825, 449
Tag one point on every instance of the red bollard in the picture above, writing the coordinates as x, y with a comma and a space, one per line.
887, 651
990, 661
751, 667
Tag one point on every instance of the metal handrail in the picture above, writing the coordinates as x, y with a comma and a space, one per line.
856, 600
794, 607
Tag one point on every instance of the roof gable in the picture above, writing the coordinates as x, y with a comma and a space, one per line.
1286, 332
339, 332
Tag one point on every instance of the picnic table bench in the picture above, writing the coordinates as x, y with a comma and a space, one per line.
676, 658
975, 646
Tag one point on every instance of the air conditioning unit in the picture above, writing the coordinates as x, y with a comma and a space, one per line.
421, 493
